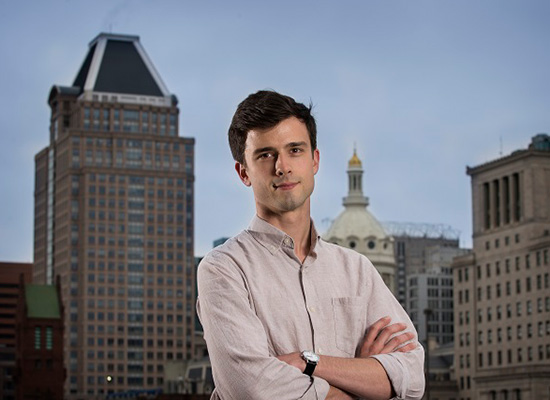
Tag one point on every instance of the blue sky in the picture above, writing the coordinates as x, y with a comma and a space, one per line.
424, 88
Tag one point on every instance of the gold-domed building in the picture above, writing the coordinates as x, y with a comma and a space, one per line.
357, 229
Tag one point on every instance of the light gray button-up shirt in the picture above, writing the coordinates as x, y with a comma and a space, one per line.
257, 301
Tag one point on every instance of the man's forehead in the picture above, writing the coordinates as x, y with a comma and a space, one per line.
288, 131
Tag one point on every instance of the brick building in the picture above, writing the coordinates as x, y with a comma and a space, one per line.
114, 220
10, 282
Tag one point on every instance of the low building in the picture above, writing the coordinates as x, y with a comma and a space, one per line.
10, 281
40, 373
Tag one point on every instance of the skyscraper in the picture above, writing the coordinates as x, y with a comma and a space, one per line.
502, 289
114, 219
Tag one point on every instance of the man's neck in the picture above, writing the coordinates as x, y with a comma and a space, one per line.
296, 224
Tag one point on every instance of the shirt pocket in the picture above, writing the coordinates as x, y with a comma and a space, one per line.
350, 317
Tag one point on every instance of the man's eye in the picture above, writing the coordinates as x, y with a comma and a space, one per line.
264, 155
296, 150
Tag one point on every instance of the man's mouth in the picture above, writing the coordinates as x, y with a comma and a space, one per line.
285, 185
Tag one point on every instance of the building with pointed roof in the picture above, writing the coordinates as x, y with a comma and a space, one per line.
357, 229
114, 219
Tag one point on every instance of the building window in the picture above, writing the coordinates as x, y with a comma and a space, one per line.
49, 338
37, 338
487, 205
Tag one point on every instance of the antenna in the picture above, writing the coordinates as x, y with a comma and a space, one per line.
501, 145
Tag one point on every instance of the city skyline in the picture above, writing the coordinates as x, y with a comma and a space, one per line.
422, 89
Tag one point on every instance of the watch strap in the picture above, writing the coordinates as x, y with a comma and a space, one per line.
310, 367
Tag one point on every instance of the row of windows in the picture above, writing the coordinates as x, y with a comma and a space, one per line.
101, 342
521, 355
121, 380
107, 143
123, 317
506, 241
134, 180
464, 317
43, 338
130, 120
541, 331
486, 337
122, 291
518, 287
136, 204
130, 160
133, 267
539, 257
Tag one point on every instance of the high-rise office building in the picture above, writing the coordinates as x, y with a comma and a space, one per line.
412, 241
114, 219
502, 289
430, 295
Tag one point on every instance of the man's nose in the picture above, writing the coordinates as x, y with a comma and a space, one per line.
282, 166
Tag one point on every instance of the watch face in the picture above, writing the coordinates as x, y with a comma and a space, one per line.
311, 356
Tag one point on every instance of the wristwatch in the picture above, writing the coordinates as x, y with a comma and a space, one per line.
311, 360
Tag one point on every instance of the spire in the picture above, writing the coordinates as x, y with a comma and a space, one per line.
354, 161
355, 195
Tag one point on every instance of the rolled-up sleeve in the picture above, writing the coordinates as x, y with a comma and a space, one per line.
405, 370
242, 365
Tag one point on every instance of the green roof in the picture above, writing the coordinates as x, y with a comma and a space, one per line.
42, 301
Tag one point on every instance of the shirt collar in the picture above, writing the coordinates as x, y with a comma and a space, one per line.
273, 238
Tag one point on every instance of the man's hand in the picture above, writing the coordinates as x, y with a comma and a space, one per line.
377, 339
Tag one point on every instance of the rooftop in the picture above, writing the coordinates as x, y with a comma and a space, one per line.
42, 301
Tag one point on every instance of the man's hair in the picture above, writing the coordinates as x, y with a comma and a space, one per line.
263, 110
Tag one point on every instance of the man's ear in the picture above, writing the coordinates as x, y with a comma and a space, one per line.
316, 158
241, 171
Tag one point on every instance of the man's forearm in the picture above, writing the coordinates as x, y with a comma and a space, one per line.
336, 394
364, 377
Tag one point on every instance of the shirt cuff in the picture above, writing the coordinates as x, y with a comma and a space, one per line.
321, 388
399, 376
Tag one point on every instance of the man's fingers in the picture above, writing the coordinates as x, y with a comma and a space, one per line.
375, 329
407, 347
388, 331
397, 341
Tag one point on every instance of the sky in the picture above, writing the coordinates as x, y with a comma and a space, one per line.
422, 89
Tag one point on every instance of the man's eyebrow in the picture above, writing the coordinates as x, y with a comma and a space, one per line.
296, 144
263, 150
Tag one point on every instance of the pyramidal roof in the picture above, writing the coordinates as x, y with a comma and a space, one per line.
118, 64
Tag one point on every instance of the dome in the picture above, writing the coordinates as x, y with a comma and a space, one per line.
356, 228
357, 222
354, 161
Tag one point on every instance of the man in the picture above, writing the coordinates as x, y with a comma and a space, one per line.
285, 314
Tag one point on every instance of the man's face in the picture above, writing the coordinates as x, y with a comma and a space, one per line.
280, 166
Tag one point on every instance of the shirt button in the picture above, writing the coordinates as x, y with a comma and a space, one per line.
311, 309
286, 241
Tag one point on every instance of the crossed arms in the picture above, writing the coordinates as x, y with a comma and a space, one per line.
251, 360
362, 376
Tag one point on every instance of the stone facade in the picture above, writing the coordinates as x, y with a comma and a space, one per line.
502, 289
